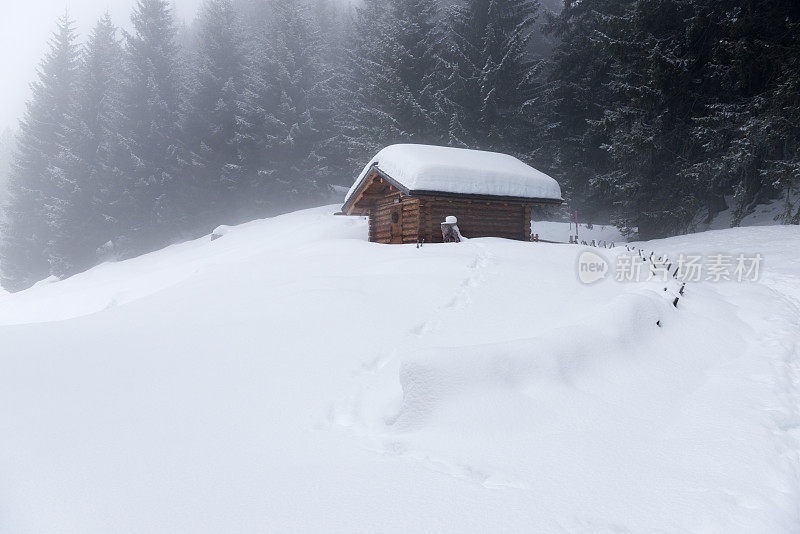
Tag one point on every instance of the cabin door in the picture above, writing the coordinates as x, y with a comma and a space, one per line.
397, 223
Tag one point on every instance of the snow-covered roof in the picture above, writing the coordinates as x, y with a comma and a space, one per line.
457, 170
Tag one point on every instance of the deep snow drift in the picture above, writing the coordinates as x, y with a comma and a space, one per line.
290, 376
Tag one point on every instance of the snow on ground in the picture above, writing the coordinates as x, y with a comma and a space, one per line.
290, 376
560, 232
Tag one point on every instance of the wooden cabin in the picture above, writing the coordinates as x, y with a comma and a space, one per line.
408, 190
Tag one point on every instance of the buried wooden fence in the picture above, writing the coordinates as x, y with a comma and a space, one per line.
651, 258
449, 230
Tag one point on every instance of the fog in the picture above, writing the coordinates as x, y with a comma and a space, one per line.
24, 32
267, 106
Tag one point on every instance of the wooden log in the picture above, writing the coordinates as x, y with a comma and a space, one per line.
450, 233
494, 225
481, 209
526, 223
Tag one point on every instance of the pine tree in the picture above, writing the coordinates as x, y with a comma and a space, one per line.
86, 163
334, 24
396, 72
7, 140
214, 114
692, 101
289, 113
492, 72
154, 204
749, 130
35, 195
657, 53
572, 100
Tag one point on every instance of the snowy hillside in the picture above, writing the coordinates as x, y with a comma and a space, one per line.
290, 376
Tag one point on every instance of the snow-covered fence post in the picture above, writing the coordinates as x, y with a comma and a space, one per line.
450, 232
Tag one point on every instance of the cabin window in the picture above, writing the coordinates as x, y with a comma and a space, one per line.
395, 217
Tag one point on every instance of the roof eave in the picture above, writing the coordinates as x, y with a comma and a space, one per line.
487, 198
349, 207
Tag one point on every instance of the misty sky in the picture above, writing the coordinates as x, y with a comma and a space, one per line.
25, 28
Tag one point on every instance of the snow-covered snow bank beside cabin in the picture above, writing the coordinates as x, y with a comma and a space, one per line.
290, 376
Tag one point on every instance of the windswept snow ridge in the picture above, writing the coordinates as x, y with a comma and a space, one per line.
291, 376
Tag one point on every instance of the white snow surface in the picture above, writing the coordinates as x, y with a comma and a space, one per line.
762, 214
459, 170
292, 377
220, 231
560, 232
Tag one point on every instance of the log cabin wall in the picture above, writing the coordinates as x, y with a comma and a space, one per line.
410, 219
382, 229
421, 217
475, 218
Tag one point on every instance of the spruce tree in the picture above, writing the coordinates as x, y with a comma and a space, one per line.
492, 72
570, 104
334, 24
657, 58
749, 129
692, 100
397, 77
7, 141
36, 197
214, 114
87, 162
289, 113
154, 203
